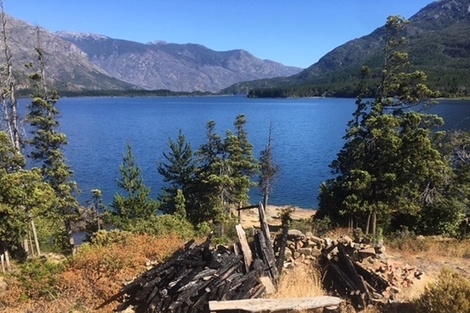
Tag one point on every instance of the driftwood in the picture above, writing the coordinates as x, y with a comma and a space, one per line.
274, 305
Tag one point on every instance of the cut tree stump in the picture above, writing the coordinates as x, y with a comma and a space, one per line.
273, 305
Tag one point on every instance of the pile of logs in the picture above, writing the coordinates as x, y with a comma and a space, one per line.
197, 274
357, 270
190, 278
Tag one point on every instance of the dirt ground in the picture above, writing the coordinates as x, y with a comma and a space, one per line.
250, 218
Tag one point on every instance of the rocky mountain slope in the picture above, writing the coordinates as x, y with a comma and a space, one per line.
67, 66
177, 67
77, 62
438, 43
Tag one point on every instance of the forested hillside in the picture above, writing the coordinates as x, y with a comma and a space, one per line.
438, 43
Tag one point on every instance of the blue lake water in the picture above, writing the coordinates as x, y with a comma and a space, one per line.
307, 135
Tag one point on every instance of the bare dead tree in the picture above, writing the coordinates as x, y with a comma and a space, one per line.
7, 92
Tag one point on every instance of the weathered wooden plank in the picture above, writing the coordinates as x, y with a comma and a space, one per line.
247, 255
274, 305
268, 249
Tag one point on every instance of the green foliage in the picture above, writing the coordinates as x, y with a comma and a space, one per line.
105, 238
47, 144
163, 225
390, 165
23, 195
223, 177
38, 278
136, 202
321, 225
178, 170
450, 293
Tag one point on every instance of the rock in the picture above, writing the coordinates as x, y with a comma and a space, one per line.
319, 241
299, 244
315, 252
305, 251
294, 234
364, 253
328, 241
345, 240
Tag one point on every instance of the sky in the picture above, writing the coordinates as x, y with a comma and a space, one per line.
296, 32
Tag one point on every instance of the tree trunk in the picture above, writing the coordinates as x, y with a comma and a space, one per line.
374, 223
265, 199
368, 224
35, 236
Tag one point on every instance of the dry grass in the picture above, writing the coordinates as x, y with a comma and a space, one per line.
301, 281
91, 277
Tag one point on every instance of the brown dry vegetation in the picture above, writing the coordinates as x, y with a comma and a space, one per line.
92, 276
99, 270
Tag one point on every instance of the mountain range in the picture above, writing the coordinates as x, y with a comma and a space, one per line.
81, 61
438, 43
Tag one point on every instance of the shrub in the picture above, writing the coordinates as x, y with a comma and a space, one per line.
38, 278
321, 225
111, 258
449, 294
162, 225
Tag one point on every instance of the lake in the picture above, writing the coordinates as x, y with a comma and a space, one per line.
307, 135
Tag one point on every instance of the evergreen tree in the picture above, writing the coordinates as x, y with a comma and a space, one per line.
23, 196
136, 202
206, 202
47, 144
389, 164
242, 162
178, 170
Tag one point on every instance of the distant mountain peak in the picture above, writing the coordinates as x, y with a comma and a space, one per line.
80, 36
158, 42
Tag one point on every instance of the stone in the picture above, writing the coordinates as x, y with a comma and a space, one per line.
299, 244
364, 253
295, 234
305, 251
345, 240
319, 241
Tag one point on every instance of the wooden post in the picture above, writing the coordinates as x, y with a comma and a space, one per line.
267, 245
247, 255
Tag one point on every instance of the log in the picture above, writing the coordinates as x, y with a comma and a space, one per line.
268, 249
247, 255
282, 248
274, 305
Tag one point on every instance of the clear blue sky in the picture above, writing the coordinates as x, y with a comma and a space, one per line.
295, 32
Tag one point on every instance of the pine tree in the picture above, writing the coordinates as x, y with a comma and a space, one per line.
388, 164
47, 144
241, 161
136, 202
206, 202
178, 170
